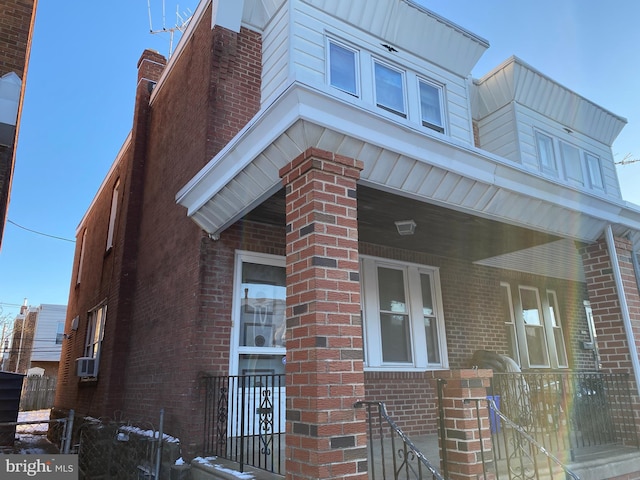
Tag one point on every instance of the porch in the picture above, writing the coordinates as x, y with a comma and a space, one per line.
578, 425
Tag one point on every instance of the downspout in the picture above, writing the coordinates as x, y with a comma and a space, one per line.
626, 318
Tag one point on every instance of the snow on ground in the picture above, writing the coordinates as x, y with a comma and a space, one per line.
33, 416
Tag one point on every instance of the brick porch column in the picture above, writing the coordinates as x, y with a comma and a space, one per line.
463, 449
326, 436
616, 352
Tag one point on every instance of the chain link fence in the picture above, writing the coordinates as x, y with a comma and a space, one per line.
120, 449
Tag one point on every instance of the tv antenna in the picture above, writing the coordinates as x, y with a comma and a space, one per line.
182, 21
628, 158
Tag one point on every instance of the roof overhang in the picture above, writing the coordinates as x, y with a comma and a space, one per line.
397, 158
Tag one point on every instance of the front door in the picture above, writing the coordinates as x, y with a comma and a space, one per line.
259, 338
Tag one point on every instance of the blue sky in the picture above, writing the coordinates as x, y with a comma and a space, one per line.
81, 83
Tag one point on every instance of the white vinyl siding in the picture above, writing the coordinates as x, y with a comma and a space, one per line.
275, 55
497, 134
45, 339
310, 30
530, 123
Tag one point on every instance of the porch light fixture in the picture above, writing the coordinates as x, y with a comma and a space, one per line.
406, 227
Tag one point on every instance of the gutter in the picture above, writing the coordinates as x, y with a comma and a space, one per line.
626, 318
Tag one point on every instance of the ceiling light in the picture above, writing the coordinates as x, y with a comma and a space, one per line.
406, 227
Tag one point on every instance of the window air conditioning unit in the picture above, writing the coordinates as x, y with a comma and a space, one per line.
87, 367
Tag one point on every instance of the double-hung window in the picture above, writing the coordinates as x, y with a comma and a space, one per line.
533, 327
390, 89
403, 320
343, 68
59, 333
113, 214
546, 154
594, 171
431, 105
95, 332
572, 163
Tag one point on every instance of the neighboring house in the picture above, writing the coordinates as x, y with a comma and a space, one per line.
36, 341
320, 190
16, 29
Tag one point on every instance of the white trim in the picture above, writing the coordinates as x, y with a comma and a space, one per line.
244, 256
413, 297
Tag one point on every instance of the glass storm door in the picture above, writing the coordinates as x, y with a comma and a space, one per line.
260, 312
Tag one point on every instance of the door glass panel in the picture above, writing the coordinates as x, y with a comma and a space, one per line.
262, 316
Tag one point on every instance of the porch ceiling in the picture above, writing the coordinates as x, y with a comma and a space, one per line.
440, 231
491, 203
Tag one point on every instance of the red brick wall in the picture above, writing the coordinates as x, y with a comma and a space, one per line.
16, 29
473, 319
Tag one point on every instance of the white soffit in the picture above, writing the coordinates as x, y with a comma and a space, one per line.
558, 259
397, 158
514, 80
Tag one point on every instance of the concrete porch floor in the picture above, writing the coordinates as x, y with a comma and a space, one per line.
591, 463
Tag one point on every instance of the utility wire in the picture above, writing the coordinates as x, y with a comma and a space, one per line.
40, 233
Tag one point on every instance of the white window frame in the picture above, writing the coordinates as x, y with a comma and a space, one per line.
236, 350
573, 170
403, 84
437, 127
553, 168
413, 297
542, 328
548, 326
593, 169
510, 322
356, 66
113, 214
59, 333
96, 321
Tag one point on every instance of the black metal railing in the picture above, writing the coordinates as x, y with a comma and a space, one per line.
245, 420
567, 411
391, 453
525, 457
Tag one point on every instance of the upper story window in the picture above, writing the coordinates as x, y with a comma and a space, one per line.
577, 166
59, 333
81, 259
546, 153
431, 105
403, 319
594, 171
394, 89
389, 88
95, 334
571, 163
113, 214
343, 71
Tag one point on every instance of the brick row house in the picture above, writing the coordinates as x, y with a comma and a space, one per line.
18, 18
317, 190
